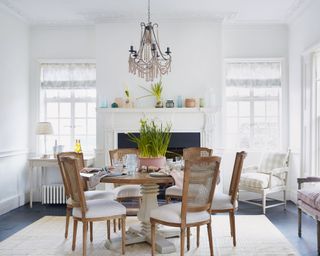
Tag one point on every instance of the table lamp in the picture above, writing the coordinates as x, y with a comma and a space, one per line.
44, 128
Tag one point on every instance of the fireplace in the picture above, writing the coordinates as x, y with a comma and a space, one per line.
178, 141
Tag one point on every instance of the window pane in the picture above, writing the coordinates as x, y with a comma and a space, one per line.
51, 93
52, 110
244, 108
272, 108
259, 92
65, 110
92, 126
65, 141
91, 109
272, 91
65, 126
80, 109
259, 108
80, 127
91, 143
92, 93
232, 108
243, 92
231, 91
80, 93
232, 124
231, 140
55, 125
64, 93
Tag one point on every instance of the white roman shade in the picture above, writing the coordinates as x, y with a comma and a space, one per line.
253, 74
68, 76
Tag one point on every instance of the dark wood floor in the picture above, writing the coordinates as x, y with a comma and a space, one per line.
285, 221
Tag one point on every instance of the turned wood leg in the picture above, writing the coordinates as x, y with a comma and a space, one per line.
168, 199
285, 199
198, 236
318, 236
210, 238
68, 214
119, 224
114, 225
188, 238
91, 231
264, 202
74, 237
123, 234
182, 238
84, 238
108, 229
153, 238
233, 227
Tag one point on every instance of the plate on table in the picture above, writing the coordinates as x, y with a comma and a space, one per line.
158, 174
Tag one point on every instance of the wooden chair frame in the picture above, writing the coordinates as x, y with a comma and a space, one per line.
79, 194
184, 208
188, 154
233, 192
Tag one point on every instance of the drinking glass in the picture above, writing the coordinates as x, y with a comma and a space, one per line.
131, 161
117, 164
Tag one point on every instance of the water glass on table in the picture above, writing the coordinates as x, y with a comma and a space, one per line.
117, 164
131, 161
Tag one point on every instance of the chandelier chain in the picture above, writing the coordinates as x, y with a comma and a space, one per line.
148, 11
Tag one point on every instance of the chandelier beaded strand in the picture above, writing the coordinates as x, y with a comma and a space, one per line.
149, 61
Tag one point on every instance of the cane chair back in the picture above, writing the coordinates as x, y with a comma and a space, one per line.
200, 178
236, 174
72, 167
62, 171
194, 152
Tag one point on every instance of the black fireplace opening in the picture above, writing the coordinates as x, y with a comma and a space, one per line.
178, 141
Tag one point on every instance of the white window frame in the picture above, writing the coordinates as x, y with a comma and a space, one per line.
43, 100
283, 102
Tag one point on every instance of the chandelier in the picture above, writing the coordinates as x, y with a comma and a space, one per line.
149, 61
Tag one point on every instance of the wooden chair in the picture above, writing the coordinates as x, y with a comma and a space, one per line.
88, 211
90, 195
174, 192
125, 192
200, 178
228, 202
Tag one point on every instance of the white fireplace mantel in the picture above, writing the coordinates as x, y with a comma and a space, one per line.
111, 121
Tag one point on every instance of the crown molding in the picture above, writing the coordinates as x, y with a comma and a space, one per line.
296, 9
9, 8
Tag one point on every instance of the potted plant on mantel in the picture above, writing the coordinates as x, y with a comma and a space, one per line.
152, 143
156, 91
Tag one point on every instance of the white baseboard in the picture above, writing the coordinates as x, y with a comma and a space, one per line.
12, 203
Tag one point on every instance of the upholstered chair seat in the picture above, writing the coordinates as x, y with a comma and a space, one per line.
174, 191
222, 201
259, 180
126, 191
95, 194
172, 213
100, 208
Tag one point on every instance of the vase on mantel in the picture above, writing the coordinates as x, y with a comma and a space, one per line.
159, 104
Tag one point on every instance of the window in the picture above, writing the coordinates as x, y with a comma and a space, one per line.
253, 105
68, 93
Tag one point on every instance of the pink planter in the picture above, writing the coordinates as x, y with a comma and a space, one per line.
159, 162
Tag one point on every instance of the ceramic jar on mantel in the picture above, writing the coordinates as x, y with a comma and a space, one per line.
159, 162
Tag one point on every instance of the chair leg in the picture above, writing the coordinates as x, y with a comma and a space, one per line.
182, 238
84, 238
264, 202
299, 221
119, 224
68, 214
285, 199
123, 233
114, 225
188, 238
198, 236
74, 236
168, 199
91, 231
210, 238
108, 229
233, 227
153, 238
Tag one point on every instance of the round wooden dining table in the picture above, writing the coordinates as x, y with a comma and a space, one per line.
149, 190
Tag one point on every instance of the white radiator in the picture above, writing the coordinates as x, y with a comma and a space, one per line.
53, 194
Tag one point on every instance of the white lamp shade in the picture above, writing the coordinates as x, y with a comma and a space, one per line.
44, 128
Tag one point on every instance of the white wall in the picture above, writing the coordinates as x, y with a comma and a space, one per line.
304, 34
14, 98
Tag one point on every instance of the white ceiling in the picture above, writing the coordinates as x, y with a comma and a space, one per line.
96, 11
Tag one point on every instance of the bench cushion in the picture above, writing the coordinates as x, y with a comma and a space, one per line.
310, 197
